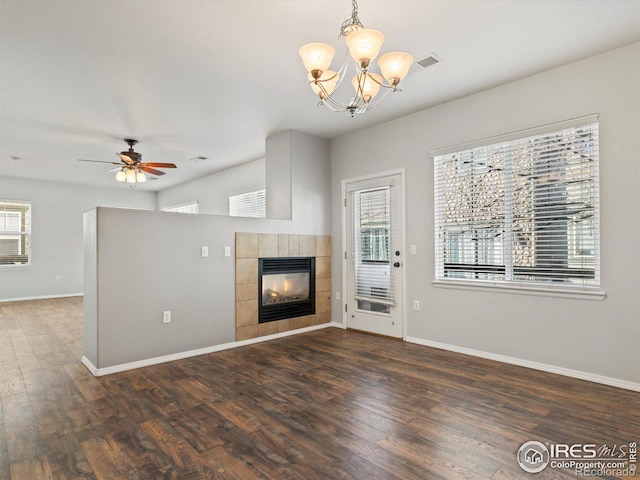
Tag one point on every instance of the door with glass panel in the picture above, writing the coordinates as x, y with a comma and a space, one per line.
374, 256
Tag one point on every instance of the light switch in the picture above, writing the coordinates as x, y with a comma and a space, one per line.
227, 251
413, 249
205, 251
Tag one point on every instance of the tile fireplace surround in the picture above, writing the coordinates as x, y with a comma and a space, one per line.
252, 246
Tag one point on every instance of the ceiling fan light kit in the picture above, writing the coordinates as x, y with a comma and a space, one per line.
132, 168
364, 46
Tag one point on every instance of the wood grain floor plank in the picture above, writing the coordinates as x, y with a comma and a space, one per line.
188, 460
106, 459
33, 469
67, 459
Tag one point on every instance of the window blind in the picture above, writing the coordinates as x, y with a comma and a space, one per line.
251, 204
191, 208
372, 226
523, 210
15, 233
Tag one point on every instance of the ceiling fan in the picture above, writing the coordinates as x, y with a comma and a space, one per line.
131, 167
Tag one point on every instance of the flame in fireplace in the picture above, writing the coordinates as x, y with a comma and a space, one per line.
285, 287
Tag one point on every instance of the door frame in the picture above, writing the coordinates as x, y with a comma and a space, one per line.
343, 251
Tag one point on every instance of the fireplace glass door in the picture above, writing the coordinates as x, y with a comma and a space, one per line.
286, 288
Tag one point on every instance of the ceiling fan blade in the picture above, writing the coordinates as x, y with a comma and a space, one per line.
153, 171
159, 165
97, 161
126, 158
113, 170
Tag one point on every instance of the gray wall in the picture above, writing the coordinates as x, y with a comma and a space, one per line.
56, 245
212, 192
601, 338
146, 262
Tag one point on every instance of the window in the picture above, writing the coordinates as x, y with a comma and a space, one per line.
251, 204
184, 208
374, 225
15, 233
521, 209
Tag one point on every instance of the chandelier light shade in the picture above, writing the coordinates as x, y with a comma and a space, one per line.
121, 176
141, 177
364, 46
317, 56
395, 66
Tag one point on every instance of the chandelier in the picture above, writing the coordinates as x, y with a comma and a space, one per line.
364, 45
131, 174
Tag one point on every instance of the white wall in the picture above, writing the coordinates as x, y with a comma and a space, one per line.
212, 192
599, 338
56, 244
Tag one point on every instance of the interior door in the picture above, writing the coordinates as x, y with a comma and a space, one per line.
374, 256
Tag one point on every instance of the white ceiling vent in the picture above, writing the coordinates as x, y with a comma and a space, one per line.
429, 60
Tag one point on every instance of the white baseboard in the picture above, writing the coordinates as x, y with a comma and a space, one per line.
98, 372
42, 297
92, 368
590, 377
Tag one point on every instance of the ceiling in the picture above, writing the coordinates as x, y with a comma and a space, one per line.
214, 78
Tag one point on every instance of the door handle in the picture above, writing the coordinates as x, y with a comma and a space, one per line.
397, 264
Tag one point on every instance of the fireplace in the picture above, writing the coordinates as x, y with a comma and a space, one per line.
286, 288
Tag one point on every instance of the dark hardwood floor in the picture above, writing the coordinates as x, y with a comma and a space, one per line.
329, 404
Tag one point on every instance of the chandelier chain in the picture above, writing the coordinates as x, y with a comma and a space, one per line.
351, 24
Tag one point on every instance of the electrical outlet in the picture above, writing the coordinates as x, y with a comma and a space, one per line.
227, 251
416, 305
413, 249
205, 251
58, 278
166, 316
337, 295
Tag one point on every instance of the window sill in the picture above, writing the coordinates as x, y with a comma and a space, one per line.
594, 295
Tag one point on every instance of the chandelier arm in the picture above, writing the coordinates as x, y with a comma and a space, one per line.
379, 99
359, 89
331, 107
382, 84
343, 69
335, 102
320, 80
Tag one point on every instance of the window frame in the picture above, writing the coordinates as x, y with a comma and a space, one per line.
515, 284
26, 236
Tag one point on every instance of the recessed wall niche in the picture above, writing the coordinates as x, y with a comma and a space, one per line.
250, 247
